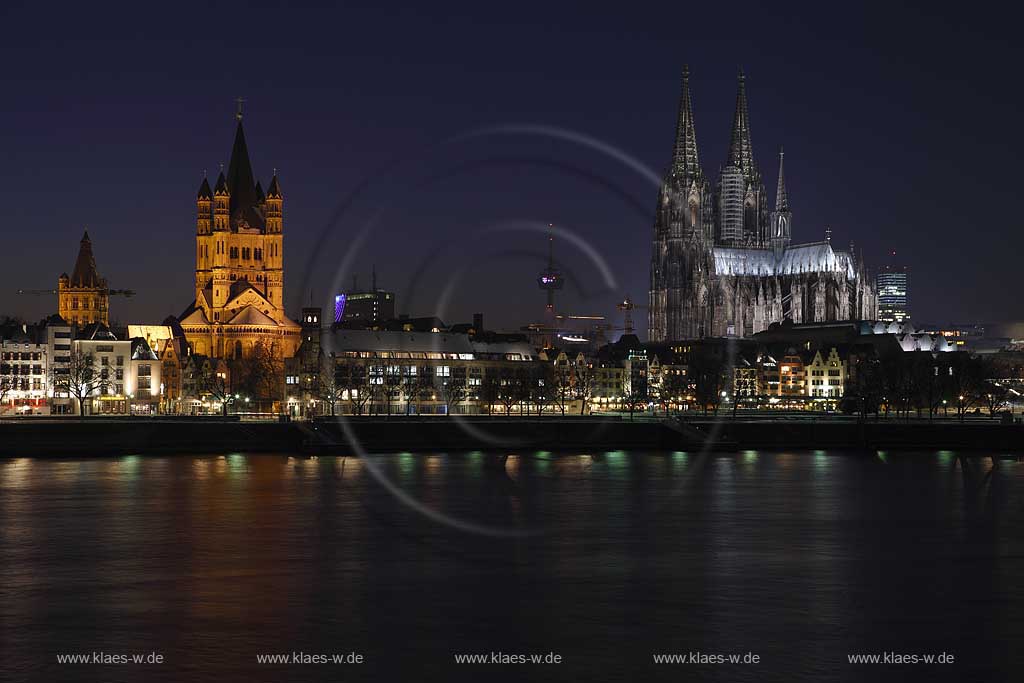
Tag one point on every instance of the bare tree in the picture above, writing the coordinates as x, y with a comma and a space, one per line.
490, 389
582, 384
673, 387
509, 390
867, 385
260, 375
543, 387
329, 388
706, 369
355, 382
562, 376
525, 389
6, 386
215, 382
454, 391
422, 386
81, 378
635, 399
391, 388
966, 382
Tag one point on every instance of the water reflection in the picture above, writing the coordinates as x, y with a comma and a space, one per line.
799, 556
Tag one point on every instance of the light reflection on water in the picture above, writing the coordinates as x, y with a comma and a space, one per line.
799, 556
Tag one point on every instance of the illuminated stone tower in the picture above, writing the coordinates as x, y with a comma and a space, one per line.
742, 203
239, 282
83, 298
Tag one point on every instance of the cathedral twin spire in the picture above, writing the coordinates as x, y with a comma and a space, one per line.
741, 150
685, 160
685, 157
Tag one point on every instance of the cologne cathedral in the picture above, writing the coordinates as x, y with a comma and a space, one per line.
239, 284
723, 264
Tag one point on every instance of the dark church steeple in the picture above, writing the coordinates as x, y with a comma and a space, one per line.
781, 221
84, 274
781, 198
685, 159
242, 184
204, 190
741, 150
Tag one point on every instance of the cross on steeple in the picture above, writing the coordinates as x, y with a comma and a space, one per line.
239, 101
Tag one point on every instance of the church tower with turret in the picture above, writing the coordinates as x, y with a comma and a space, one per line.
683, 233
742, 201
239, 274
83, 298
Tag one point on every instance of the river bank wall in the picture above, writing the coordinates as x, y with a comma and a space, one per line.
104, 437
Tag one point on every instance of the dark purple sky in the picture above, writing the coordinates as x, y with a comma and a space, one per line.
899, 129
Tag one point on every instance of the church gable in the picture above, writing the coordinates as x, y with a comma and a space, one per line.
250, 315
248, 298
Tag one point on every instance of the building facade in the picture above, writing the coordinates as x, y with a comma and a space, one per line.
826, 375
239, 274
23, 373
723, 264
408, 371
83, 298
130, 370
893, 285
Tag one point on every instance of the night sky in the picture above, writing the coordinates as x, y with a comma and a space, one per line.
448, 136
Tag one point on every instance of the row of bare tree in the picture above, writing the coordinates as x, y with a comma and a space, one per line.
529, 388
258, 377
920, 383
927, 384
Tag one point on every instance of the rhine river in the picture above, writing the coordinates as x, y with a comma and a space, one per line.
604, 559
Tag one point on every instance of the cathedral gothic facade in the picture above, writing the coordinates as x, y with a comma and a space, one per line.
723, 264
239, 284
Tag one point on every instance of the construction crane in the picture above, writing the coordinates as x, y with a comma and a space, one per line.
627, 306
109, 292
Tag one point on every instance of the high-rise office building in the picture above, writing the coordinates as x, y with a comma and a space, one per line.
893, 287
364, 306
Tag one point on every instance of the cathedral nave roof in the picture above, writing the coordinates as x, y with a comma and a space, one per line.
815, 257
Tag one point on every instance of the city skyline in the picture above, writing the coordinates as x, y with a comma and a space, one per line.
560, 341
126, 162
